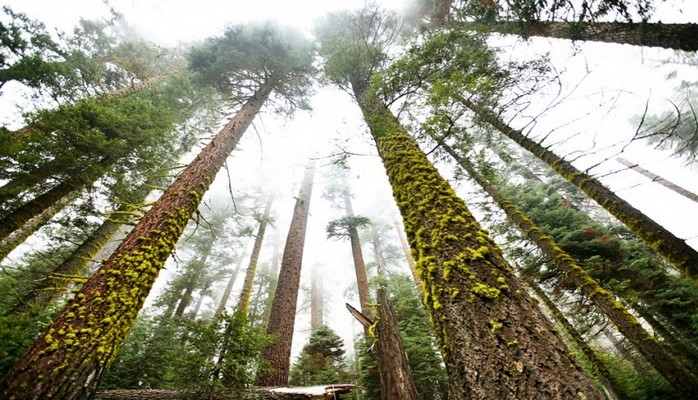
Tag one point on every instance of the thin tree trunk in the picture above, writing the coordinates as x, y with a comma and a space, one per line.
282, 317
667, 36
607, 379
495, 342
665, 243
69, 358
223, 303
656, 178
28, 218
315, 302
674, 372
245, 293
406, 249
358, 257
196, 275
637, 363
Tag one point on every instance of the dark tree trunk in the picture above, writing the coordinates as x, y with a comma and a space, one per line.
244, 301
656, 178
495, 342
282, 316
674, 372
69, 358
665, 243
668, 36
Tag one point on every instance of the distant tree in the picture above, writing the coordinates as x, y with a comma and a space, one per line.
282, 316
321, 360
77, 347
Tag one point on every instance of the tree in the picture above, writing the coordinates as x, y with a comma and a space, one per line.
283, 307
656, 178
676, 373
321, 360
76, 348
488, 329
448, 87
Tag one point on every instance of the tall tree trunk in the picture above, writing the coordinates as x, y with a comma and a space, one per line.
406, 249
357, 256
607, 379
199, 270
282, 317
495, 342
656, 178
665, 243
69, 358
674, 372
28, 218
244, 301
315, 302
75, 264
223, 302
625, 352
668, 36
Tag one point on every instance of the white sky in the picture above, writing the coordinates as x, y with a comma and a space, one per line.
283, 146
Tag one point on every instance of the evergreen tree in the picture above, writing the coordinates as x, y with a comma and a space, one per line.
321, 360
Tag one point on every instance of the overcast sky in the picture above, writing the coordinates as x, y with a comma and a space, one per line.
606, 84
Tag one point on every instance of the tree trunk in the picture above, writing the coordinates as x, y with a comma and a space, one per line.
406, 249
668, 36
395, 373
244, 301
665, 243
315, 302
223, 303
358, 257
656, 178
674, 372
69, 358
282, 316
28, 218
607, 379
495, 342
199, 270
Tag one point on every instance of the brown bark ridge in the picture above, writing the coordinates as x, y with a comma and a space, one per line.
660, 180
669, 36
69, 358
357, 256
495, 342
676, 373
665, 243
246, 292
282, 317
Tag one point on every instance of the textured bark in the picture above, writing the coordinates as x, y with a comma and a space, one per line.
495, 342
674, 372
665, 243
357, 256
244, 301
609, 381
668, 36
282, 317
69, 358
656, 178
395, 372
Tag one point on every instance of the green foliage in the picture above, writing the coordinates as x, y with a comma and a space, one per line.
320, 361
339, 228
18, 333
247, 56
